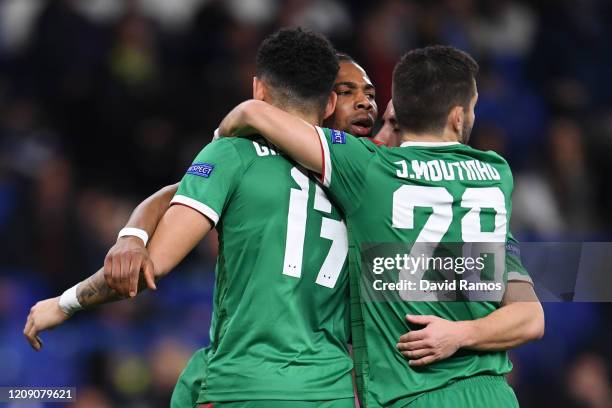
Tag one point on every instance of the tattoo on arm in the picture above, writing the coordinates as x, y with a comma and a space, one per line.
94, 291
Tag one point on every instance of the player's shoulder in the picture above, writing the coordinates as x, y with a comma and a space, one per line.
254, 146
496, 160
227, 143
222, 145
243, 147
223, 150
488, 156
492, 156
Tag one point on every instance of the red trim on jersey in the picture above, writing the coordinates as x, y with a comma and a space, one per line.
209, 405
322, 176
377, 142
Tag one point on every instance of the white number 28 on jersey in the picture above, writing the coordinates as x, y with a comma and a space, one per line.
333, 230
439, 199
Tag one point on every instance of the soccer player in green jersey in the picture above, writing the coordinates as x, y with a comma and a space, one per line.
355, 112
280, 324
433, 189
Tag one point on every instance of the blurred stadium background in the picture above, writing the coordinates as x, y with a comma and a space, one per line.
102, 102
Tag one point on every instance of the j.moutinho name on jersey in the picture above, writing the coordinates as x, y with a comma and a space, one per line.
438, 170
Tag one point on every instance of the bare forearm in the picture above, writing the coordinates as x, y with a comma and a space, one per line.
520, 319
291, 134
507, 327
95, 291
148, 213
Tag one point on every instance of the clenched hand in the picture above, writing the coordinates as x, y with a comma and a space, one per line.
124, 263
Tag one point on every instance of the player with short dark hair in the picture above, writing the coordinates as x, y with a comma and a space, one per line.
355, 106
356, 109
430, 192
280, 64
428, 83
280, 323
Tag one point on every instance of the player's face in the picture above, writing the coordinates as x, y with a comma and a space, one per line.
468, 119
356, 108
389, 133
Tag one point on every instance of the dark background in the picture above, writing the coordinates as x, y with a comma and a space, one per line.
102, 102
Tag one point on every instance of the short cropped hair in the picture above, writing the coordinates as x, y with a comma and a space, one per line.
427, 83
299, 66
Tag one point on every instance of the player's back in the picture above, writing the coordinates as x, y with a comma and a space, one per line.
280, 324
418, 193
446, 194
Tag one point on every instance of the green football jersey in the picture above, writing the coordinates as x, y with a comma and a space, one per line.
280, 323
401, 197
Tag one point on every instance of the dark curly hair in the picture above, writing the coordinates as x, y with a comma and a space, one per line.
428, 82
299, 66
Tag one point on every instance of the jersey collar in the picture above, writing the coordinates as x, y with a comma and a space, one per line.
428, 144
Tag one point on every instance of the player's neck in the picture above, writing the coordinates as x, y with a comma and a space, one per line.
311, 118
429, 137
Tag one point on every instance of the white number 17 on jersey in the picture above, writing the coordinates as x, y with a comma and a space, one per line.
332, 230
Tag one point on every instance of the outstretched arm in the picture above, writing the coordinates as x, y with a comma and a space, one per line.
180, 229
129, 256
291, 134
519, 320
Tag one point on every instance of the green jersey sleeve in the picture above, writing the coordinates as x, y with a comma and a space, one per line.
515, 271
345, 162
211, 179
514, 266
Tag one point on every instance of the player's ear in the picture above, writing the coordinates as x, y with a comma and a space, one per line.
456, 119
259, 91
331, 105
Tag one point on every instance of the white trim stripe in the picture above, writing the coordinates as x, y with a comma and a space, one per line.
327, 166
427, 144
196, 205
515, 276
